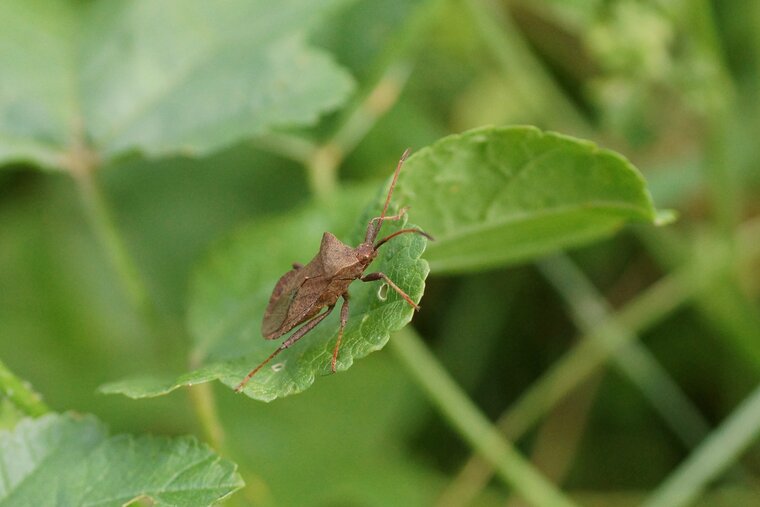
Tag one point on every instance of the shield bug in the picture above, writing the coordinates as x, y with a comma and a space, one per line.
301, 293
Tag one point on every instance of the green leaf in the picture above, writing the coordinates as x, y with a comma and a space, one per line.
490, 196
232, 288
70, 460
175, 76
494, 196
9, 414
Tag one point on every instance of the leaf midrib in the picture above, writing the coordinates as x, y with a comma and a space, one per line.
463, 232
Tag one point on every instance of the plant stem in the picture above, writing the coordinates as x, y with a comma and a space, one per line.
204, 405
589, 307
535, 86
99, 214
585, 358
386, 77
358, 122
574, 368
288, 146
371, 103
20, 393
557, 441
718, 451
471, 424
135, 287
323, 163
725, 305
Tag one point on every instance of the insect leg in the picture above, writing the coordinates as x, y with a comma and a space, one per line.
403, 231
397, 216
287, 343
371, 277
374, 224
343, 320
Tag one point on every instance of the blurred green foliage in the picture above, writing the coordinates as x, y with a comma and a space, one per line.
71, 460
674, 86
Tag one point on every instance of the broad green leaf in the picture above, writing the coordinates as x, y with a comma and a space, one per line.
70, 460
494, 196
232, 289
175, 76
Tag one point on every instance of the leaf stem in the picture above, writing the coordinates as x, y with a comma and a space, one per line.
288, 146
717, 452
374, 105
324, 161
20, 393
471, 424
322, 170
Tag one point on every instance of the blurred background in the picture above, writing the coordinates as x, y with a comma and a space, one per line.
672, 85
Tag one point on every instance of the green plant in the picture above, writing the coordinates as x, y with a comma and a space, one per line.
211, 145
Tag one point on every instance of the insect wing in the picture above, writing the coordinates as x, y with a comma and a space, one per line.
276, 314
295, 299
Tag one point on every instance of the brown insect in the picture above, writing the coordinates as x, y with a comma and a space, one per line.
303, 291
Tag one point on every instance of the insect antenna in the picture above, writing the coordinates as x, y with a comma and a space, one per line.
377, 223
403, 231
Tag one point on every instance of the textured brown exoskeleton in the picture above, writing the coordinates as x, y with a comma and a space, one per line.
303, 291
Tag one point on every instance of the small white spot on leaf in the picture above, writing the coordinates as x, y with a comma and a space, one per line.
278, 366
382, 292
